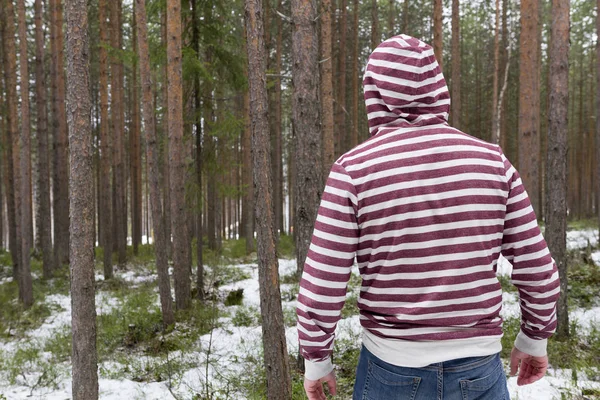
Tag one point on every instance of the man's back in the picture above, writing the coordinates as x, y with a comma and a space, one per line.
426, 210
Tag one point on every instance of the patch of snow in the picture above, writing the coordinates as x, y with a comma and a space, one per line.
596, 257
6, 280
579, 239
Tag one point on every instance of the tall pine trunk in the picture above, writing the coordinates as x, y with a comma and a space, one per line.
177, 166
438, 39
273, 331
354, 76
556, 178
25, 284
341, 110
248, 186
529, 102
456, 109
117, 111
598, 112
12, 117
153, 170
135, 156
60, 182
45, 223
495, 124
105, 147
83, 301
327, 87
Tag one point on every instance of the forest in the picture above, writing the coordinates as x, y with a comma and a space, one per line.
162, 164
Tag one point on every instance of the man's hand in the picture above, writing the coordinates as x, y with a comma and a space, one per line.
314, 389
531, 368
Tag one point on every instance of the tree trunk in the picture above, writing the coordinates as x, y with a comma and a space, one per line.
405, 16
12, 118
327, 88
60, 183
45, 224
25, 284
341, 98
597, 180
118, 129
495, 124
375, 35
177, 167
106, 146
438, 17
136, 163
354, 75
274, 342
529, 102
153, 170
455, 110
278, 145
391, 18
248, 186
556, 178
83, 320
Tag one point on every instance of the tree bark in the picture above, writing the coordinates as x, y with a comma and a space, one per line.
341, 97
597, 180
391, 18
12, 118
105, 146
556, 177
118, 121
405, 13
60, 187
83, 320
437, 32
529, 102
274, 343
45, 223
354, 75
248, 186
153, 174
25, 283
327, 88
375, 35
136, 163
177, 167
277, 144
456, 108
495, 124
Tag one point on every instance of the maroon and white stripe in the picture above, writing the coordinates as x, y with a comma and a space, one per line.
426, 210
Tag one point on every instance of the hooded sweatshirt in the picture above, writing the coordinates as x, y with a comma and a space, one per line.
426, 210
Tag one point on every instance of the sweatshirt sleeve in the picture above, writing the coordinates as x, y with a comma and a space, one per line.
326, 272
534, 271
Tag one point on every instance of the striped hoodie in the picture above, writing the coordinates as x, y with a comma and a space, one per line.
426, 210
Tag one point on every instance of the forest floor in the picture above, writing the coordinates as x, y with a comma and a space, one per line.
215, 351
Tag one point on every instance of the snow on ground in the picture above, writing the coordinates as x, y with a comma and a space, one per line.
230, 345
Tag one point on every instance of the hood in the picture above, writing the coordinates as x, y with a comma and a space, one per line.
404, 86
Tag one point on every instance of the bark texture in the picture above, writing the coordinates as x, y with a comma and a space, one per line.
495, 125
529, 102
375, 35
341, 85
45, 224
556, 177
25, 284
354, 75
274, 343
12, 119
307, 125
60, 182
83, 301
456, 109
105, 146
598, 111
177, 167
438, 40
248, 186
327, 87
117, 113
158, 219
135, 154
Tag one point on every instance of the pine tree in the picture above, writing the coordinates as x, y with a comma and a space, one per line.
83, 320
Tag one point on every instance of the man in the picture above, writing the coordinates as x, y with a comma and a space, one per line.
427, 210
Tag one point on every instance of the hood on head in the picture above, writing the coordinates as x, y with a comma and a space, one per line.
404, 86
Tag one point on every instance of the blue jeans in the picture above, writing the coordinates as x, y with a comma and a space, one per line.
474, 378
